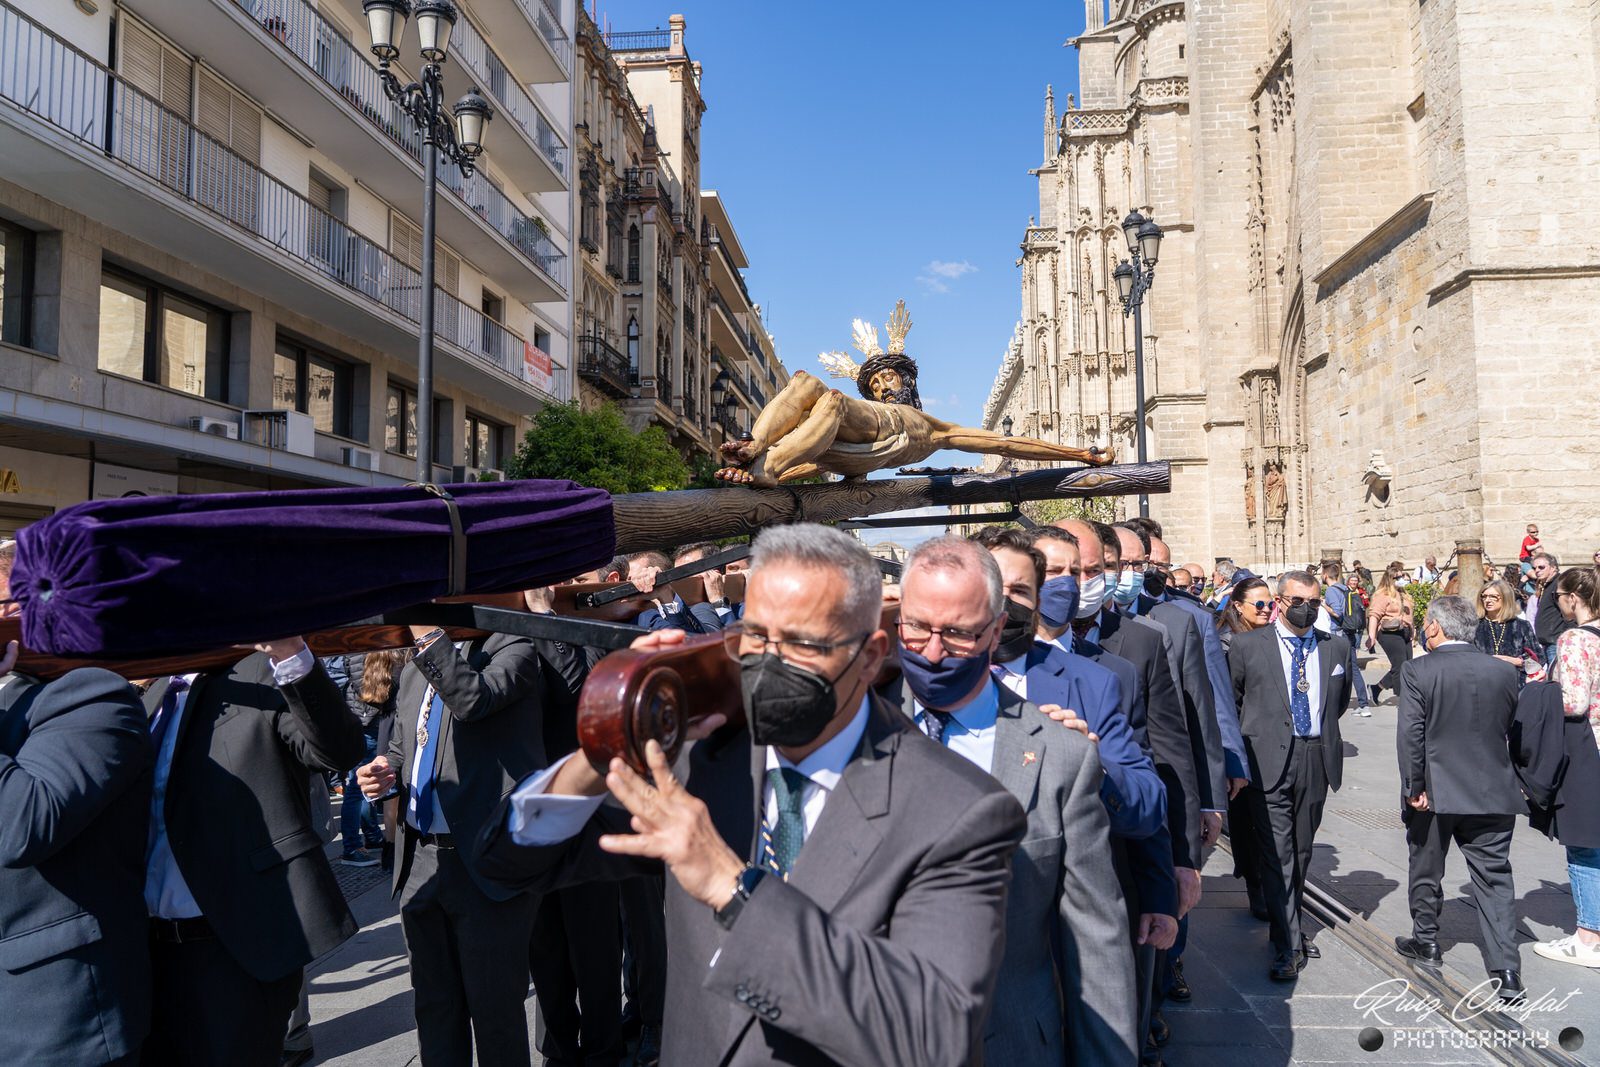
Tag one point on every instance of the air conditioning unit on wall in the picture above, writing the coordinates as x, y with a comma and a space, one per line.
215, 427
356, 457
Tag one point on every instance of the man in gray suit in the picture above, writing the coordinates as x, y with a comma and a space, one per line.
1458, 784
1066, 989
838, 880
1291, 687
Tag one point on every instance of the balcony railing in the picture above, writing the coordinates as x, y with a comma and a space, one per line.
547, 21
317, 43
756, 395
601, 363
639, 41
479, 58
48, 78
689, 410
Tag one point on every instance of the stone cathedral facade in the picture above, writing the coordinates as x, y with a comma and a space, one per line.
1379, 273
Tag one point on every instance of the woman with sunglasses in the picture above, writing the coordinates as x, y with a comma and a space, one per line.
1389, 626
1501, 631
1249, 608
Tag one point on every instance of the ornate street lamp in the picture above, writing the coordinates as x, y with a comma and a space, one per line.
457, 132
1133, 277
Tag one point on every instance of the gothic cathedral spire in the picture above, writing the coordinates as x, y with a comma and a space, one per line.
1049, 125
1094, 15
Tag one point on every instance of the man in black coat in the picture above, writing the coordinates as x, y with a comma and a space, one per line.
240, 894
1458, 783
1548, 622
468, 727
1291, 686
74, 938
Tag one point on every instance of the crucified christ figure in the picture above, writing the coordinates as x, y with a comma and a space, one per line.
808, 428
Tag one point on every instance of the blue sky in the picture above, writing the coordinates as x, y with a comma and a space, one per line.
874, 151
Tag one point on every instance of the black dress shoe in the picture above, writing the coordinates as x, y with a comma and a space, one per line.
1308, 950
1286, 968
1160, 1032
1425, 951
1510, 985
1258, 901
1179, 990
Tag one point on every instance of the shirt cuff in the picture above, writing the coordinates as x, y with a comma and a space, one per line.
294, 668
538, 818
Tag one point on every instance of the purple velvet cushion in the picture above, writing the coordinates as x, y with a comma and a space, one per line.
148, 576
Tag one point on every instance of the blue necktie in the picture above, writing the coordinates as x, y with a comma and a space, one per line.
780, 843
429, 740
1300, 698
934, 724
168, 709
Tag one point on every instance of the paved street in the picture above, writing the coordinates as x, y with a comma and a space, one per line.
361, 995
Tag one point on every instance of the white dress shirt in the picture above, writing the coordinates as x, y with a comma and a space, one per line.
538, 818
166, 894
971, 728
1286, 638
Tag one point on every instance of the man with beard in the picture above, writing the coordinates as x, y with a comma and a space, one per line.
838, 880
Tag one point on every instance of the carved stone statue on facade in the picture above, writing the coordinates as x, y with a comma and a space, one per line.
1250, 495
809, 428
1277, 493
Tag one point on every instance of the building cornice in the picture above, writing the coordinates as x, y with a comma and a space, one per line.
1412, 214
1465, 278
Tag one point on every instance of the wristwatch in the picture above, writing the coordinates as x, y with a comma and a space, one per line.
743, 886
720, 603
429, 637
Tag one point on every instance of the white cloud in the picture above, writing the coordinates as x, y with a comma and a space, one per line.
939, 274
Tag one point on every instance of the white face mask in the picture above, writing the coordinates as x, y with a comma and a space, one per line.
1091, 595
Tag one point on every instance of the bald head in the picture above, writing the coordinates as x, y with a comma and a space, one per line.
1091, 553
1132, 549
1159, 552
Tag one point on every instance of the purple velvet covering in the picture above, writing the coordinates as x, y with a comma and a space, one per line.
151, 576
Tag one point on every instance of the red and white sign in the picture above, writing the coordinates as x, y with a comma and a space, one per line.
537, 368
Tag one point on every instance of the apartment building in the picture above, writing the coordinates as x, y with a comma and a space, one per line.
665, 324
209, 217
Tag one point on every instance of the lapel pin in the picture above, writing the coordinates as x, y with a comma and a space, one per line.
1027, 758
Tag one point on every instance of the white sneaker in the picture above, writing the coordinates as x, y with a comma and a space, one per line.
1365, 713
1570, 950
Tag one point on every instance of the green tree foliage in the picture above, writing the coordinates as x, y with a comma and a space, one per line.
1422, 594
597, 448
1094, 509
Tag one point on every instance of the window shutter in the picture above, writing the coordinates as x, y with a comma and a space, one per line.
320, 195
211, 111
405, 241
141, 58
448, 271
244, 135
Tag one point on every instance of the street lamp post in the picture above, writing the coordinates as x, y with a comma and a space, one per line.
1133, 279
457, 132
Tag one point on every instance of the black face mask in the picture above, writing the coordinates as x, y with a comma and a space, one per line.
1155, 582
1016, 636
784, 704
1301, 616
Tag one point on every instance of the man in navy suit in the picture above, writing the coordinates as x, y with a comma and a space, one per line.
75, 788
674, 613
1132, 792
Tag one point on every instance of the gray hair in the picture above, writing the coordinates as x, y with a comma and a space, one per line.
811, 545
1456, 617
1299, 578
958, 554
1226, 568
1547, 557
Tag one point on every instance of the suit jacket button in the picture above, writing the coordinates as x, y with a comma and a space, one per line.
773, 1014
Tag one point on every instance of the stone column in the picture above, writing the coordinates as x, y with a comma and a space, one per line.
1469, 564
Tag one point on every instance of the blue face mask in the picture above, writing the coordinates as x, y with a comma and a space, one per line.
946, 683
1058, 601
1129, 583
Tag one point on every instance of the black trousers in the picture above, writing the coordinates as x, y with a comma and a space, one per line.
575, 958
644, 916
1242, 837
206, 1009
1286, 820
1398, 649
469, 963
1485, 842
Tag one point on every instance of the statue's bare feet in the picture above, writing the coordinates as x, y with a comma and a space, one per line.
738, 453
735, 475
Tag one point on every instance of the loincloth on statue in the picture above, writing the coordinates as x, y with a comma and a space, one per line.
893, 446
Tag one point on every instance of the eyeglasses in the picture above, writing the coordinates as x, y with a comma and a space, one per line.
1296, 601
915, 635
740, 641
1259, 605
